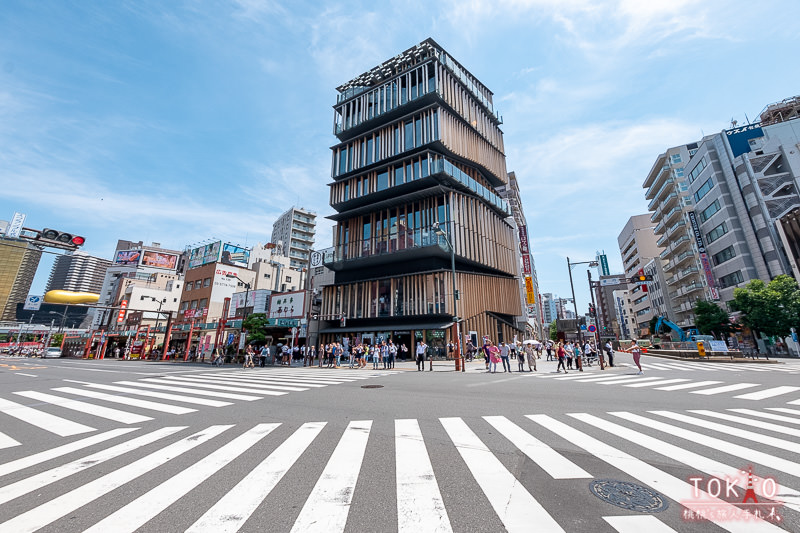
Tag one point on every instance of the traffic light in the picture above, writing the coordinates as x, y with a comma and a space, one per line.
640, 277
61, 239
592, 311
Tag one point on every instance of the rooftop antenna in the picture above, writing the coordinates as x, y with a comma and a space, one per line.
746, 118
734, 122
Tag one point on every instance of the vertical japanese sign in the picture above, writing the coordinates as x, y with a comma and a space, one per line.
123, 305
531, 294
704, 262
525, 250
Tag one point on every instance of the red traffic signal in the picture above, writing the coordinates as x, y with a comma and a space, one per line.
61, 237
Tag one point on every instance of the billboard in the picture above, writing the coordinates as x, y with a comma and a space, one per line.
159, 260
235, 255
287, 305
15, 227
706, 264
202, 255
128, 257
530, 293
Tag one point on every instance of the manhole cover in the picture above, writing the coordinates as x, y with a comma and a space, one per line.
371, 386
629, 496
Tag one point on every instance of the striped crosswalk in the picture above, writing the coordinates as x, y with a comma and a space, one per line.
702, 387
257, 466
71, 410
792, 367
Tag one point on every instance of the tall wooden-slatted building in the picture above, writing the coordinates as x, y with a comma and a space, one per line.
419, 145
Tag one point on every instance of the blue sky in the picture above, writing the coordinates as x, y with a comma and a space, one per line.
176, 122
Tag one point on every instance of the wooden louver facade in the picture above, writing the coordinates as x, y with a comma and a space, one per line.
420, 148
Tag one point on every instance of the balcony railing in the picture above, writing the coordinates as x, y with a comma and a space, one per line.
446, 167
398, 239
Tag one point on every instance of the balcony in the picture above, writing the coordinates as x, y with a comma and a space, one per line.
687, 272
680, 242
671, 214
678, 260
675, 227
664, 238
659, 229
658, 182
672, 280
666, 253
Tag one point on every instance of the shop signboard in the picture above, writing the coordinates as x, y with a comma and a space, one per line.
287, 305
159, 260
704, 262
202, 255
128, 257
531, 294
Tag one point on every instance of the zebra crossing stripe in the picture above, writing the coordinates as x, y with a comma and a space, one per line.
618, 381
637, 524
767, 393
746, 453
240, 386
691, 385
41, 457
162, 395
155, 386
36, 482
134, 402
52, 510
270, 381
232, 510
654, 383
596, 379
54, 424
785, 410
749, 422
7, 442
552, 462
726, 388
145, 507
672, 487
327, 507
769, 416
211, 388
514, 505
681, 454
419, 503
123, 417
730, 430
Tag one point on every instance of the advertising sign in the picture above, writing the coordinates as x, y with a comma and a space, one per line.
15, 227
531, 297
203, 255
704, 262
128, 257
523, 240
32, 303
604, 271
526, 264
235, 255
123, 305
159, 260
287, 305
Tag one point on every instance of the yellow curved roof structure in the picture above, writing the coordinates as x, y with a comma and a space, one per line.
70, 297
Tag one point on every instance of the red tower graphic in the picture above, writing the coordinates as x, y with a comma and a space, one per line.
749, 493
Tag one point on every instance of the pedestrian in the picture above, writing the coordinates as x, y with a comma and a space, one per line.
561, 354
493, 355
392, 354
569, 352
337, 353
248, 357
403, 352
530, 355
520, 358
308, 355
578, 363
262, 359
549, 350
321, 353
351, 358
636, 351
421, 349
504, 351
485, 350
116, 352
610, 353
450, 349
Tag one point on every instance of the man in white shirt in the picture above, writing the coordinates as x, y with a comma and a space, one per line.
421, 348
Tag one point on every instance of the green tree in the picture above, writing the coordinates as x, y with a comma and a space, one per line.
771, 309
56, 339
256, 327
711, 319
553, 331
652, 326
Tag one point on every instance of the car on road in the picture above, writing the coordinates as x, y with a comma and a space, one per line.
52, 351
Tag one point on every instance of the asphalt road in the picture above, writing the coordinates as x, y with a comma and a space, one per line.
144, 446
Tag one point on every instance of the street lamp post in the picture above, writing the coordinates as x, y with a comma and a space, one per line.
246, 297
158, 317
437, 229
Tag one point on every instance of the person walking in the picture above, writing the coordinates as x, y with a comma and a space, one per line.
504, 351
485, 350
549, 350
392, 354
520, 358
569, 352
530, 355
636, 351
420, 353
493, 356
561, 354
578, 362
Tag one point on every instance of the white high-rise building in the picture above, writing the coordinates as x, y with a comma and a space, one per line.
294, 231
79, 272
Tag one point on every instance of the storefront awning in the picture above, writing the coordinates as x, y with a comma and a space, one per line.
388, 327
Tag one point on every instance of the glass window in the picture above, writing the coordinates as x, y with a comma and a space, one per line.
731, 279
365, 187
206, 282
717, 232
398, 175
679, 172
697, 170
703, 190
418, 131
369, 154
709, 211
725, 255
347, 191
675, 158
409, 135
383, 180
435, 124
343, 160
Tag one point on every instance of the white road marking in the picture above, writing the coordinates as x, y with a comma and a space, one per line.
514, 505
726, 388
637, 524
99, 411
162, 395
328, 505
692, 385
54, 424
767, 393
419, 502
654, 383
127, 400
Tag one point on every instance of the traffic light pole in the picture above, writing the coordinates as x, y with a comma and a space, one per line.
600, 356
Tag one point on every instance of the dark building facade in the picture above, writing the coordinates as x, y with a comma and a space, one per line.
420, 149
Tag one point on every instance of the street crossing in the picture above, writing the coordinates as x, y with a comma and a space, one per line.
701, 387
257, 467
66, 411
649, 363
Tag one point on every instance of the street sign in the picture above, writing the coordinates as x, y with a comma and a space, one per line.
592, 328
33, 303
610, 281
15, 227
